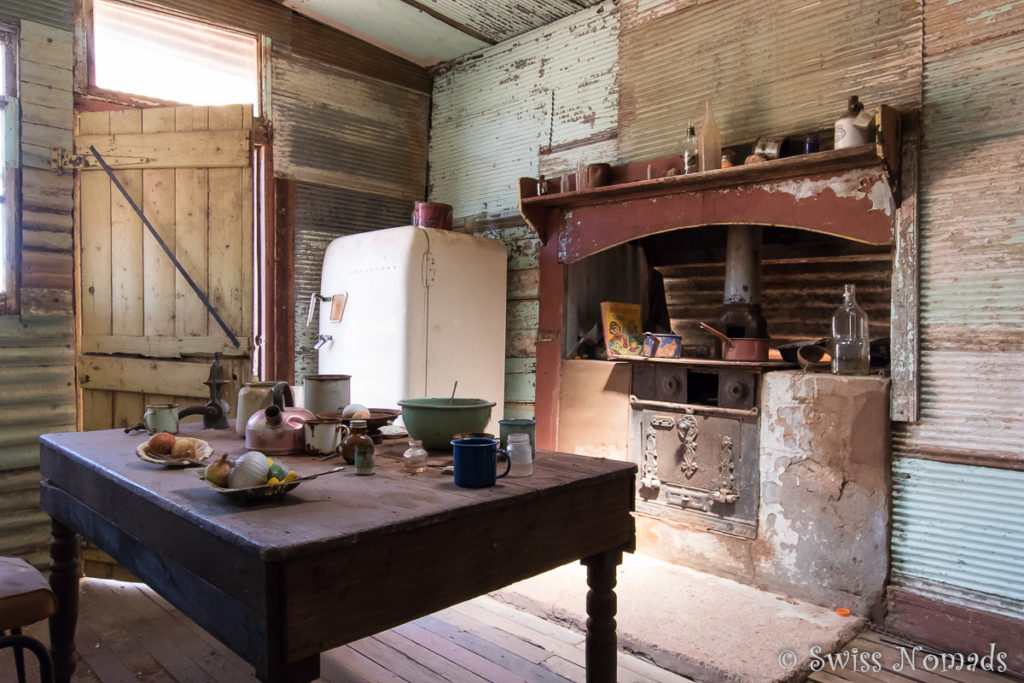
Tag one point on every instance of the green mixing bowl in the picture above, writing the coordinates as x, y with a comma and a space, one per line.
434, 421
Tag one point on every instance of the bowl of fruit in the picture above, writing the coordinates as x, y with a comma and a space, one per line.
254, 477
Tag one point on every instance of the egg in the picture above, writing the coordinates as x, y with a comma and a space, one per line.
352, 408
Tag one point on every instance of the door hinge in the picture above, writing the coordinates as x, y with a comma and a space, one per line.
62, 160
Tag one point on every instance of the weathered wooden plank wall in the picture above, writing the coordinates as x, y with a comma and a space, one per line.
37, 347
972, 317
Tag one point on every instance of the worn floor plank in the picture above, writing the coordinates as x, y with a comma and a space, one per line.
127, 633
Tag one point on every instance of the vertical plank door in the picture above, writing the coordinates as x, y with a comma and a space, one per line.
146, 336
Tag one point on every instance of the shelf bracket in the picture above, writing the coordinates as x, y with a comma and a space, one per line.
887, 147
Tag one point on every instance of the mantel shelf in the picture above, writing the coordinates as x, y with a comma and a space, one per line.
833, 192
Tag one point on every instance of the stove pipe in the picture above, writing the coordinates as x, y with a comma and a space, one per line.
741, 315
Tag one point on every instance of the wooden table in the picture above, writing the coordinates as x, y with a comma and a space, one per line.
338, 558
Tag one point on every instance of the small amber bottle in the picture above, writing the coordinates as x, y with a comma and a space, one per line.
357, 448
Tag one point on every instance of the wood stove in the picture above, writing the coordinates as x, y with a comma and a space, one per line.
694, 437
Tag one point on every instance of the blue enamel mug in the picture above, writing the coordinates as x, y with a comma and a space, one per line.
476, 462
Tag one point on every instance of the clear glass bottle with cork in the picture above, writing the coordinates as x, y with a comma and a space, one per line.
709, 144
850, 343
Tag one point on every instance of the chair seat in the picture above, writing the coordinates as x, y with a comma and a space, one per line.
25, 595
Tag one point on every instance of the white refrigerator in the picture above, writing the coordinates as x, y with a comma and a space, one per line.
410, 311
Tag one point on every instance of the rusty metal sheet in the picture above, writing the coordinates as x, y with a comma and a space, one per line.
321, 214
333, 128
493, 112
774, 68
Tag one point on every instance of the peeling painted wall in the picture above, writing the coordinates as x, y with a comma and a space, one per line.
496, 108
955, 525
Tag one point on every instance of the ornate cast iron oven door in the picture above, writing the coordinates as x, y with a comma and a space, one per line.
698, 460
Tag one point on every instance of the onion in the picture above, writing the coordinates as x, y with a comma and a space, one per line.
250, 470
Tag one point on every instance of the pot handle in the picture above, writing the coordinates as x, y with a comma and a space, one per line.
725, 340
282, 394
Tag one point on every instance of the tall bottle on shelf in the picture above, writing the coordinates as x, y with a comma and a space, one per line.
850, 336
689, 152
709, 144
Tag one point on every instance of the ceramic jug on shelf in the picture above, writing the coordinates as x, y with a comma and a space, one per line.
255, 396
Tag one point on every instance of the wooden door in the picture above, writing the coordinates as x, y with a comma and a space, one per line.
146, 336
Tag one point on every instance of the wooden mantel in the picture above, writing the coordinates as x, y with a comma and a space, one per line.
851, 193
848, 193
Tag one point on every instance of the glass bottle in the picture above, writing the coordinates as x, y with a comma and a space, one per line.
415, 457
357, 448
689, 152
710, 142
521, 455
850, 336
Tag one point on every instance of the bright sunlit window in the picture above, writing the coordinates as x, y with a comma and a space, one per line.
9, 162
157, 55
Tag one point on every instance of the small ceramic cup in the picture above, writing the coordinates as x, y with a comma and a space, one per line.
324, 435
161, 417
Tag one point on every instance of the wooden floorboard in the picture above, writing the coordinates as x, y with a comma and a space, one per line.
127, 633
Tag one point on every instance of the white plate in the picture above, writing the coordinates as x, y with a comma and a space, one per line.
203, 451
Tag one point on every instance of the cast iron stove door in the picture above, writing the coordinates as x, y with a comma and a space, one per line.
701, 464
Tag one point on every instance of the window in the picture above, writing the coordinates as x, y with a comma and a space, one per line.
156, 55
10, 154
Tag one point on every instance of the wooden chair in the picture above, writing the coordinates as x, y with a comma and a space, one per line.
25, 598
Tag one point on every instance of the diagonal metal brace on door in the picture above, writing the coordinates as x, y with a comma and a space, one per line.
167, 250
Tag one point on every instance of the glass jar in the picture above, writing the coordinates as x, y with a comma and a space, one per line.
850, 336
415, 457
357, 448
520, 454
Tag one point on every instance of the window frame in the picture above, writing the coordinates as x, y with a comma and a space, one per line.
10, 171
90, 97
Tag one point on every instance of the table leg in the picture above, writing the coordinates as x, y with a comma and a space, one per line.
64, 571
601, 648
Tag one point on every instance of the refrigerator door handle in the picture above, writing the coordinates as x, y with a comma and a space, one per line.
313, 298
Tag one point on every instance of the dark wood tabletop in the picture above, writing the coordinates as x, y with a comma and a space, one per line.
336, 559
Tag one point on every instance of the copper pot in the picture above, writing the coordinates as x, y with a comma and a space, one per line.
742, 348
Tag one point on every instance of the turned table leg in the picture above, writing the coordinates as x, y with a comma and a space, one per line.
601, 648
64, 571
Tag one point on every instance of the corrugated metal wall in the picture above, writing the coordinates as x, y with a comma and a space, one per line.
958, 533
768, 68
799, 292
960, 525
334, 128
55, 13
37, 370
493, 113
357, 148
493, 110
321, 214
